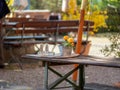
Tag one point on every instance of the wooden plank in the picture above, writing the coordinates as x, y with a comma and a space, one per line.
40, 24
37, 30
14, 19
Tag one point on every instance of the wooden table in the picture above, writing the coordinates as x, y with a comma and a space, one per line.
81, 61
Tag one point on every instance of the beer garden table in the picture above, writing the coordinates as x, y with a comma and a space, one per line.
81, 60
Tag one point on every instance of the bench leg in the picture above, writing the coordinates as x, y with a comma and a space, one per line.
15, 58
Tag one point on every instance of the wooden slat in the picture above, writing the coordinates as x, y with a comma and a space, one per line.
52, 30
68, 23
17, 19
34, 30
40, 24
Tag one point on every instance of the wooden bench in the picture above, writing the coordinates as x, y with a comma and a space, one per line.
96, 86
54, 26
15, 24
25, 29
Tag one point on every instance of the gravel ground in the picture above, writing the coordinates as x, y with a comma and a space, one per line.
33, 76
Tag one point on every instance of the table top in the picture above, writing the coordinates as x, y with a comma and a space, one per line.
81, 59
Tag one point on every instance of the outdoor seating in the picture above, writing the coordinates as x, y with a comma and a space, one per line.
29, 32
44, 27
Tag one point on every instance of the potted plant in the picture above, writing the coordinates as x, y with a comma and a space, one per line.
68, 45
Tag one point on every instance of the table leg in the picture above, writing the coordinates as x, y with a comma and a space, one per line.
54, 84
46, 76
81, 77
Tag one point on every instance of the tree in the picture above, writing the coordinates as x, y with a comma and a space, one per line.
113, 25
52, 5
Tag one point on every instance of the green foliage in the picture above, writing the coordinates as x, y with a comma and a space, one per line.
113, 20
52, 5
113, 25
66, 44
115, 3
114, 48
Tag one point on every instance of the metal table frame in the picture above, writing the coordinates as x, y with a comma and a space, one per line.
64, 77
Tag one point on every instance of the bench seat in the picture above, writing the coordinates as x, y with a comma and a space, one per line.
12, 38
96, 86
